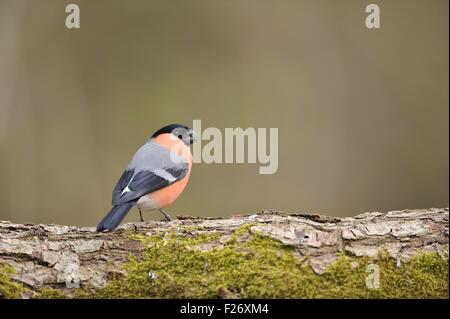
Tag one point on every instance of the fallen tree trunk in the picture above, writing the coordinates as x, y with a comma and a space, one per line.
66, 257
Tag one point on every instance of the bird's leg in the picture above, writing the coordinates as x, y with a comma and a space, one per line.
140, 214
166, 217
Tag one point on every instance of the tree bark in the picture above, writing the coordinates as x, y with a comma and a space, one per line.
56, 256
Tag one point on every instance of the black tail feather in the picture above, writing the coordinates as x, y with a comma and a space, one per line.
115, 216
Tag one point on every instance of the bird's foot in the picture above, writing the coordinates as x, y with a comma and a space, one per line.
140, 215
166, 217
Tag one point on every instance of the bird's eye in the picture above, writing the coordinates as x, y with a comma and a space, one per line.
180, 137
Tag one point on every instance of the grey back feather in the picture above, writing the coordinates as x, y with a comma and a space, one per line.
152, 156
151, 168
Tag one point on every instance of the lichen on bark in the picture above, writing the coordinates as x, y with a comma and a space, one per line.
255, 266
265, 255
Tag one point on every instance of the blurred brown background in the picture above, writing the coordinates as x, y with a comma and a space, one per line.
362, 114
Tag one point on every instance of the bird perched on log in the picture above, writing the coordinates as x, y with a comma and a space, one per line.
155, 177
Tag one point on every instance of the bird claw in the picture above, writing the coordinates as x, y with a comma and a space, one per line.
166, 217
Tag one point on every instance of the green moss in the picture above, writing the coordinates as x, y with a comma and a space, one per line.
9, 288
424, 276
49, 293
259, 267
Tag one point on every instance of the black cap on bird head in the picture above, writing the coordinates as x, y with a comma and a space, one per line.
183, 132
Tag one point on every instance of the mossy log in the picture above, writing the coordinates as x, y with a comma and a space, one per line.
269, 254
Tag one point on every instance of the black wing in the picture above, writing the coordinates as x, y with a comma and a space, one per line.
146, 181
121, 184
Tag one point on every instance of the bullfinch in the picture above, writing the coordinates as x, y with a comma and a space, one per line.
155, 177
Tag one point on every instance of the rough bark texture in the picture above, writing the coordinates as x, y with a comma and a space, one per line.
52, 255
